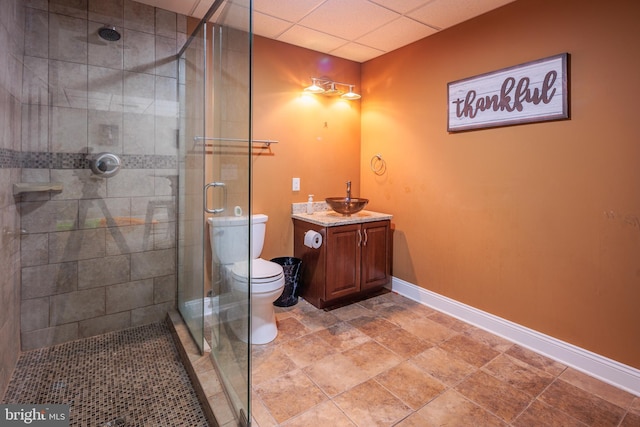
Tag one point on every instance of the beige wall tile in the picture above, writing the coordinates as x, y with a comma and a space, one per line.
67, 38
35, 82
150, 314
166, 56
103, 212
152, 263
110, 11
78, 305
49, 336
131, 183
130, 295
165, 23
128, 239
164, 289
75, 245
50, 216
49, 279
139, 51
36, 38
69, 128
104, 324
78, 184
34, 314
77, 8
138, 16
34, 249
98, 272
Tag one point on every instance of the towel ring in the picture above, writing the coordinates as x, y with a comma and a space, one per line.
378, 165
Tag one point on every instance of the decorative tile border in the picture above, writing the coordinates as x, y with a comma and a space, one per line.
48, 160
9, 159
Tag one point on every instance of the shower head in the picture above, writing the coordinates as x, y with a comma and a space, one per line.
109, 33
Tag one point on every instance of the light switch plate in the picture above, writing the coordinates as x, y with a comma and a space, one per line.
295, 184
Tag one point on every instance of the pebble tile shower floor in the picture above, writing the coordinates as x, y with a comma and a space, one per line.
135, 374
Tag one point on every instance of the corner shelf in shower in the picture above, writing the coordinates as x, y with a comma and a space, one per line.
36, 187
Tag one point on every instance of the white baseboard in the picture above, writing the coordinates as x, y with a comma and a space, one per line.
595, 365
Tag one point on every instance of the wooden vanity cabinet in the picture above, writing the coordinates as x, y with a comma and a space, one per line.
354, 260
344, 252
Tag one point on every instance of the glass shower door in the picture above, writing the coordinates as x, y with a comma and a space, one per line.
230, 167
215, 182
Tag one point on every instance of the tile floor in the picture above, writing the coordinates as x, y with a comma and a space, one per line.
135, 374
389, 361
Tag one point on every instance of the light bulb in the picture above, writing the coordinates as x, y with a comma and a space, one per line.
314, 88
351, 95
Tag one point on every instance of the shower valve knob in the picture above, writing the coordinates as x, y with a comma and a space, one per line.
105, 165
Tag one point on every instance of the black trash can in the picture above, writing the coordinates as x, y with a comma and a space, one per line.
292, 268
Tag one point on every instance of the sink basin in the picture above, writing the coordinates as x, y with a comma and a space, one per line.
346, 206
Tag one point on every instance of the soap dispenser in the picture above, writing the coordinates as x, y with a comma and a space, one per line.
310, 204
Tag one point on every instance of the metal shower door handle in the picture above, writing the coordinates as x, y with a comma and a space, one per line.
224, 197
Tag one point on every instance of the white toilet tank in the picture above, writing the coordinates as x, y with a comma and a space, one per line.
229, 237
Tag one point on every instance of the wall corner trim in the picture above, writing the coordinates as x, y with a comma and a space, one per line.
615, 373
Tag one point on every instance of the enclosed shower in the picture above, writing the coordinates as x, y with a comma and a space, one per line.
114, 123
215, 181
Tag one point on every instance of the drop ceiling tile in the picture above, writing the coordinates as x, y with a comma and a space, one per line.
311, 39
396, 34
348, 19
268, 26
289, 10
356, 52
401, 6
446, 13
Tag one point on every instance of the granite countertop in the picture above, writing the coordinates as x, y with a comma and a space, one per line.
326, 217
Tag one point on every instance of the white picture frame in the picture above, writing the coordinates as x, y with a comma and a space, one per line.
535, 91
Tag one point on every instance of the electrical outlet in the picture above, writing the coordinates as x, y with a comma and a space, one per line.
295, 184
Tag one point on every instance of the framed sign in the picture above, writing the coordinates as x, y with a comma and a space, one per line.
536, 91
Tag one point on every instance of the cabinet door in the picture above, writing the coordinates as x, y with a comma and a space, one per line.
375, 264
343, 261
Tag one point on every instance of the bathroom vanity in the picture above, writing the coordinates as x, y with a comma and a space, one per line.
353, 260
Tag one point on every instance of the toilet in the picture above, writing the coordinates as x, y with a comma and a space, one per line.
229, 238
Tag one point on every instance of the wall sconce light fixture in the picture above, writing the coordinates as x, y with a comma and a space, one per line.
330, 88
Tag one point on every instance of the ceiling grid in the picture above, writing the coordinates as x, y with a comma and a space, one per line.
358, 30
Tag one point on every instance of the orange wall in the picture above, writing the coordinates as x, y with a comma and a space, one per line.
319, 136
538, 223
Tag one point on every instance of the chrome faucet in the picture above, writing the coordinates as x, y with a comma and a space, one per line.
348, 191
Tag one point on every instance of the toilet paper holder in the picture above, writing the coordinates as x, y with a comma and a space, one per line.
312, 239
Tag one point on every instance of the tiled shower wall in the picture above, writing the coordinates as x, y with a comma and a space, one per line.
99, 255
11, 46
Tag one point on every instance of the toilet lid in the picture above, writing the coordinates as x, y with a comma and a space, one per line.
261, 271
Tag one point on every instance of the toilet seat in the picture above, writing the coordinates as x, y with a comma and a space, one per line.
266, 276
